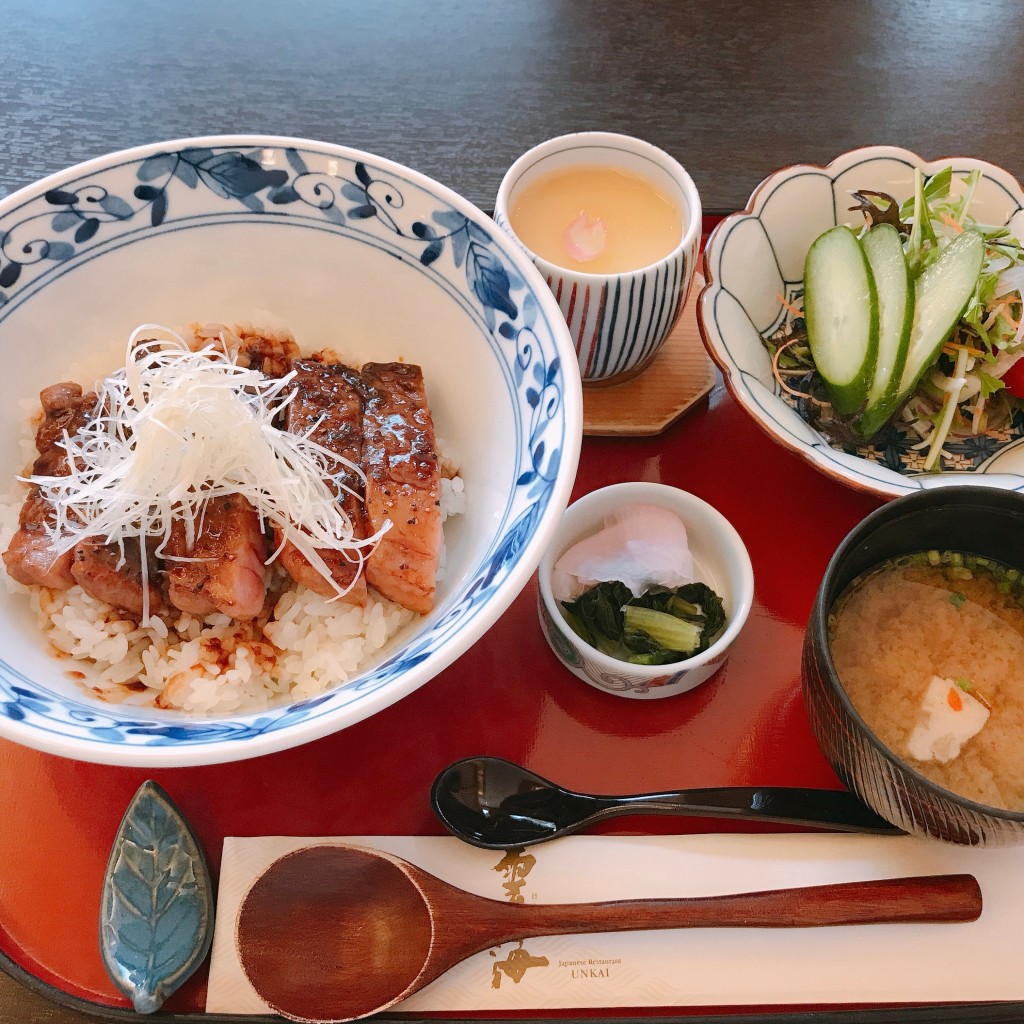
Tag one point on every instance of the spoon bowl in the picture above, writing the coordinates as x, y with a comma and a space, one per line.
497, 805
338, 932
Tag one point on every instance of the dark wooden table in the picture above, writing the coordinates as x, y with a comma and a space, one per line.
459, 88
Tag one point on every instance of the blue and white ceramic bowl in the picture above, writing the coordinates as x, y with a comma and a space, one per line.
754, 263
345, 249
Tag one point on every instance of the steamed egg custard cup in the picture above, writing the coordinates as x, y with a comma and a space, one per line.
720, 560
986, 522
618, 321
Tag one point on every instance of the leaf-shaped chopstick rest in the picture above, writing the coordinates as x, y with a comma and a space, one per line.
156, 914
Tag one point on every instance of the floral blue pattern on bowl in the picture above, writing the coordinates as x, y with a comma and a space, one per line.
231, 192
754, 262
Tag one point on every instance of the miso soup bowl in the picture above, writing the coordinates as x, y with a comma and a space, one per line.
720, 560
983, 521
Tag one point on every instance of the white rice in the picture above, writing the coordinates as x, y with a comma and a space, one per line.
306, 645
212, 665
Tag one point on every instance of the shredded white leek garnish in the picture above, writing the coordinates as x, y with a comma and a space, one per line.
175, 428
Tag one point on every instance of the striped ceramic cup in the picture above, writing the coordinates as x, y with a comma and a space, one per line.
618, 321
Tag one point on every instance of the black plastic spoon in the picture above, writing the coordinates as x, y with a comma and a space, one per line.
498, 805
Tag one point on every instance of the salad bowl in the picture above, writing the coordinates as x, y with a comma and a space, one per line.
344, 249
754, 268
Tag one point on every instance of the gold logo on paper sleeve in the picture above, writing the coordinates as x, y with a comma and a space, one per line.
515, 866
515, 965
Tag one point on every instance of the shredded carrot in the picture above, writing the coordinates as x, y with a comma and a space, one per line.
1006, 312
789, 305
1011, 298
979, 416
951, 222
953, 699
1002, 310
951, 348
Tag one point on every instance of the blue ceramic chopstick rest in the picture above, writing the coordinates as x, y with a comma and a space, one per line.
156, 912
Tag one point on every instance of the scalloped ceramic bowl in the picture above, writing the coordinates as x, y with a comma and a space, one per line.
755, 259
346, 249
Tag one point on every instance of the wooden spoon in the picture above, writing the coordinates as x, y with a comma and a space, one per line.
336, 932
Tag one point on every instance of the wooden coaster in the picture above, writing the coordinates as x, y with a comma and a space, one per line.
679, 377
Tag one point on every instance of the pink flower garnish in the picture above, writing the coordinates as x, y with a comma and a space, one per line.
584, 239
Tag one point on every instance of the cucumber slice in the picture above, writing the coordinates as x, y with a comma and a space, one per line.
841, 315
942, 293
883, 247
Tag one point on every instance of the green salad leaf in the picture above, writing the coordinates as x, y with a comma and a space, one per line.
661, 626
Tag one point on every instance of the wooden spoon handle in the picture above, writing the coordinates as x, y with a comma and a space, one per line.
935, 898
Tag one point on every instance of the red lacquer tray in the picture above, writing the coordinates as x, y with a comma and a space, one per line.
507, 696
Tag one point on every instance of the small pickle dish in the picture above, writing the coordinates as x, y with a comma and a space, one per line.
719, 560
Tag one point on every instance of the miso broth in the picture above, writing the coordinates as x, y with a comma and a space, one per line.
948, 615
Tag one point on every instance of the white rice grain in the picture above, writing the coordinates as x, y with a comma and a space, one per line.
214, 666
